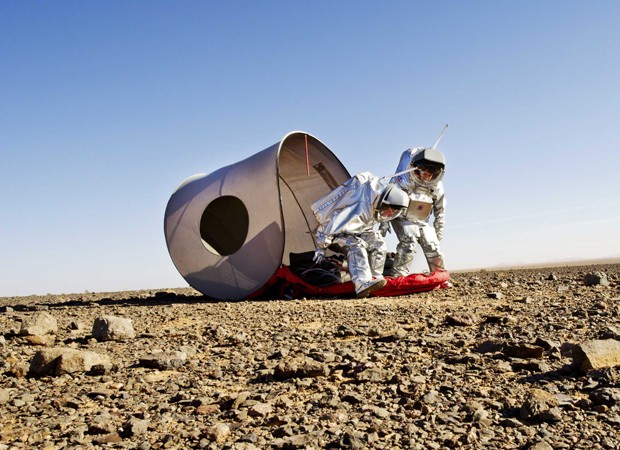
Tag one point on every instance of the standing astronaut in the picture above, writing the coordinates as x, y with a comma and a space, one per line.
347, 217
425, 189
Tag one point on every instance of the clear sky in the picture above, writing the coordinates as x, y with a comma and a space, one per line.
106, 106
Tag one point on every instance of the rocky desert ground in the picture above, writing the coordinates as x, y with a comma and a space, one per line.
505, 359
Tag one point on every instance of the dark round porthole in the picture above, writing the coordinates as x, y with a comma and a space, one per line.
224, 225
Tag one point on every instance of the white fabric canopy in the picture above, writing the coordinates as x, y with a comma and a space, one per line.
229, 231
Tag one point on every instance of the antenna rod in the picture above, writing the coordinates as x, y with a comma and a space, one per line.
411, 169
440, 136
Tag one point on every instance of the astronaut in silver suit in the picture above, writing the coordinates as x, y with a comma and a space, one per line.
347, 217
423, 184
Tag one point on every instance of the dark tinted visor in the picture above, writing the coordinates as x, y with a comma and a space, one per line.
433, 169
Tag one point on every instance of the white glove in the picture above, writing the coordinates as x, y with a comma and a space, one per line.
384, 228
319, 256
439, 234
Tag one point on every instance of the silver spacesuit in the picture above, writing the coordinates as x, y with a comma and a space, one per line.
425, 188
347, 216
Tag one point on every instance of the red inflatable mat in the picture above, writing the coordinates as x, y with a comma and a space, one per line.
285, 284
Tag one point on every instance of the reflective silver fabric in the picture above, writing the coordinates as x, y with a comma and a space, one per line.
348, 209
414, 230
365, 257
346, 217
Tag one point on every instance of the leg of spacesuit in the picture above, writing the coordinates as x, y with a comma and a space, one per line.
407, 234
430, 245
377, 251
358, 264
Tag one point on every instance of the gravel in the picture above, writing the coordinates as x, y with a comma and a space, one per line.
494, 362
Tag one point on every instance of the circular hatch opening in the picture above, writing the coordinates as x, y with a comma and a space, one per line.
224, 225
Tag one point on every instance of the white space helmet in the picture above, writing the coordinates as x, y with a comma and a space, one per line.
392, 203
429, 166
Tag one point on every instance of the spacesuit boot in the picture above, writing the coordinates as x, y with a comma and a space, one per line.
435, 263
370, 287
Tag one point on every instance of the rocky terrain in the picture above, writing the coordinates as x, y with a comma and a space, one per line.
512, 359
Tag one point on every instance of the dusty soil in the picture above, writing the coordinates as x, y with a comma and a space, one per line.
488, 363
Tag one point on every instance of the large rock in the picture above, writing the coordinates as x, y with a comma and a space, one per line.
540, 406
39, 324
596, 278
606, 396
299, 367
59, 361
164, 360
596, 354
112, 328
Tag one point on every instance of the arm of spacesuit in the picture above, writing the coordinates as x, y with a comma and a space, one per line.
384, 228
403, 180
323, 240
439, 211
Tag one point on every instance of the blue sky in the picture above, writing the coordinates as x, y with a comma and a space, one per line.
107, 106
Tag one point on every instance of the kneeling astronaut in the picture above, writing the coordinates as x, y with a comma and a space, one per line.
419, 173
347, 216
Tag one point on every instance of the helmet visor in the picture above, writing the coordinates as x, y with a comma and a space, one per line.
427, 172
388, 212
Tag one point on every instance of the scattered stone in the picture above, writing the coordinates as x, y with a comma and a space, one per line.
112, 438
596, 354
547, 344
111, 328
136, 427
164, 360
523, 351
490, 346
207, 410
101, 426
76, 326
392, 336
611, 332
5, 396
540, 406
18, 370
461, 319
260, 410
39, 324
218, 433
531, 366
299, 367
595, 279
372, 375
503, 367
60, 361
542, 445
495, 295
323, 373
606, 396
238, 338
40, 339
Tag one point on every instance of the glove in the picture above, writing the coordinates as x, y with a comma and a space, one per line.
384, 228
319, 256
439, 234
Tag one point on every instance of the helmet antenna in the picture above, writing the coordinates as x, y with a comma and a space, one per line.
440, 136
411, 169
